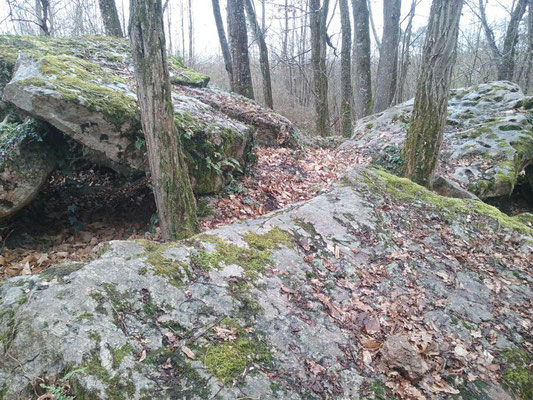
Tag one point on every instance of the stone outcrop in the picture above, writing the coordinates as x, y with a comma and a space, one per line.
488, 140
85, 88
301, 303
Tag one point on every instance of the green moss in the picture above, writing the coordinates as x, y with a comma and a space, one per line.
176, 272
268, 241
405, 189
253, 259
378, 391
227, 360
85, 315
84, 83
121, 353
517, 376
184, 76
95, 336
118, 386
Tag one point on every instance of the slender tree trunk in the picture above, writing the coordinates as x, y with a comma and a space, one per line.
507, 64
191, 34
405, 57
263, 54
183, 48
318, 60
529, 46
424, 135
238, 39
361, 51
174, 198
346, 70
374, 31
108, 9
223, 42
388, 59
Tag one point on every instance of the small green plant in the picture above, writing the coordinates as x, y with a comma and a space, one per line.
390, 158
140, 143
154, 220
72, 219
61, 389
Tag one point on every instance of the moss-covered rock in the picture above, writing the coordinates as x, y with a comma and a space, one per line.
486, 145
272, 307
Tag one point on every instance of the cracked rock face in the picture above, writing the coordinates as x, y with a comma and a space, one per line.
487, 141
324, 299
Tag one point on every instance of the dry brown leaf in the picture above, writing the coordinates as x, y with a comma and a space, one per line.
188, 352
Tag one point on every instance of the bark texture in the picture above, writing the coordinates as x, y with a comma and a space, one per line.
223, 42
346, 70
388, 59
174, 198
238, 39
424, 135
263, 53
361, 54
108, 9
318, 18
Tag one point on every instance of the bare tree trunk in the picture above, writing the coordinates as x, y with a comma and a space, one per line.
405, 57
361, 51
191, 35
223, 42
169, 25
506, 65
263, 54
374, 31
529, 46
108, 9
346, 70
182, 30
424, 135
318, 60
174, 198
42, 9
388, 59
238, 39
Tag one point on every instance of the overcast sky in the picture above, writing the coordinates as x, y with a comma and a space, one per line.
205, 34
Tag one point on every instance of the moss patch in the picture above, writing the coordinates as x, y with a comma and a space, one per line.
518, 377
405, 189
228, 360
176, 272
253, 259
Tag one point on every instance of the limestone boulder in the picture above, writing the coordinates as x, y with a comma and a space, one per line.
488, 139
304, 303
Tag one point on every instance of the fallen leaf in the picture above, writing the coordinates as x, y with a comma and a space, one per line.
188, 352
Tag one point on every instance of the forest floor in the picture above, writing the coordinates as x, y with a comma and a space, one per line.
78, 211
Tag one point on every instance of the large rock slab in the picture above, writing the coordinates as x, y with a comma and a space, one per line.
85, 87
25, 164
488, 140
295, 305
